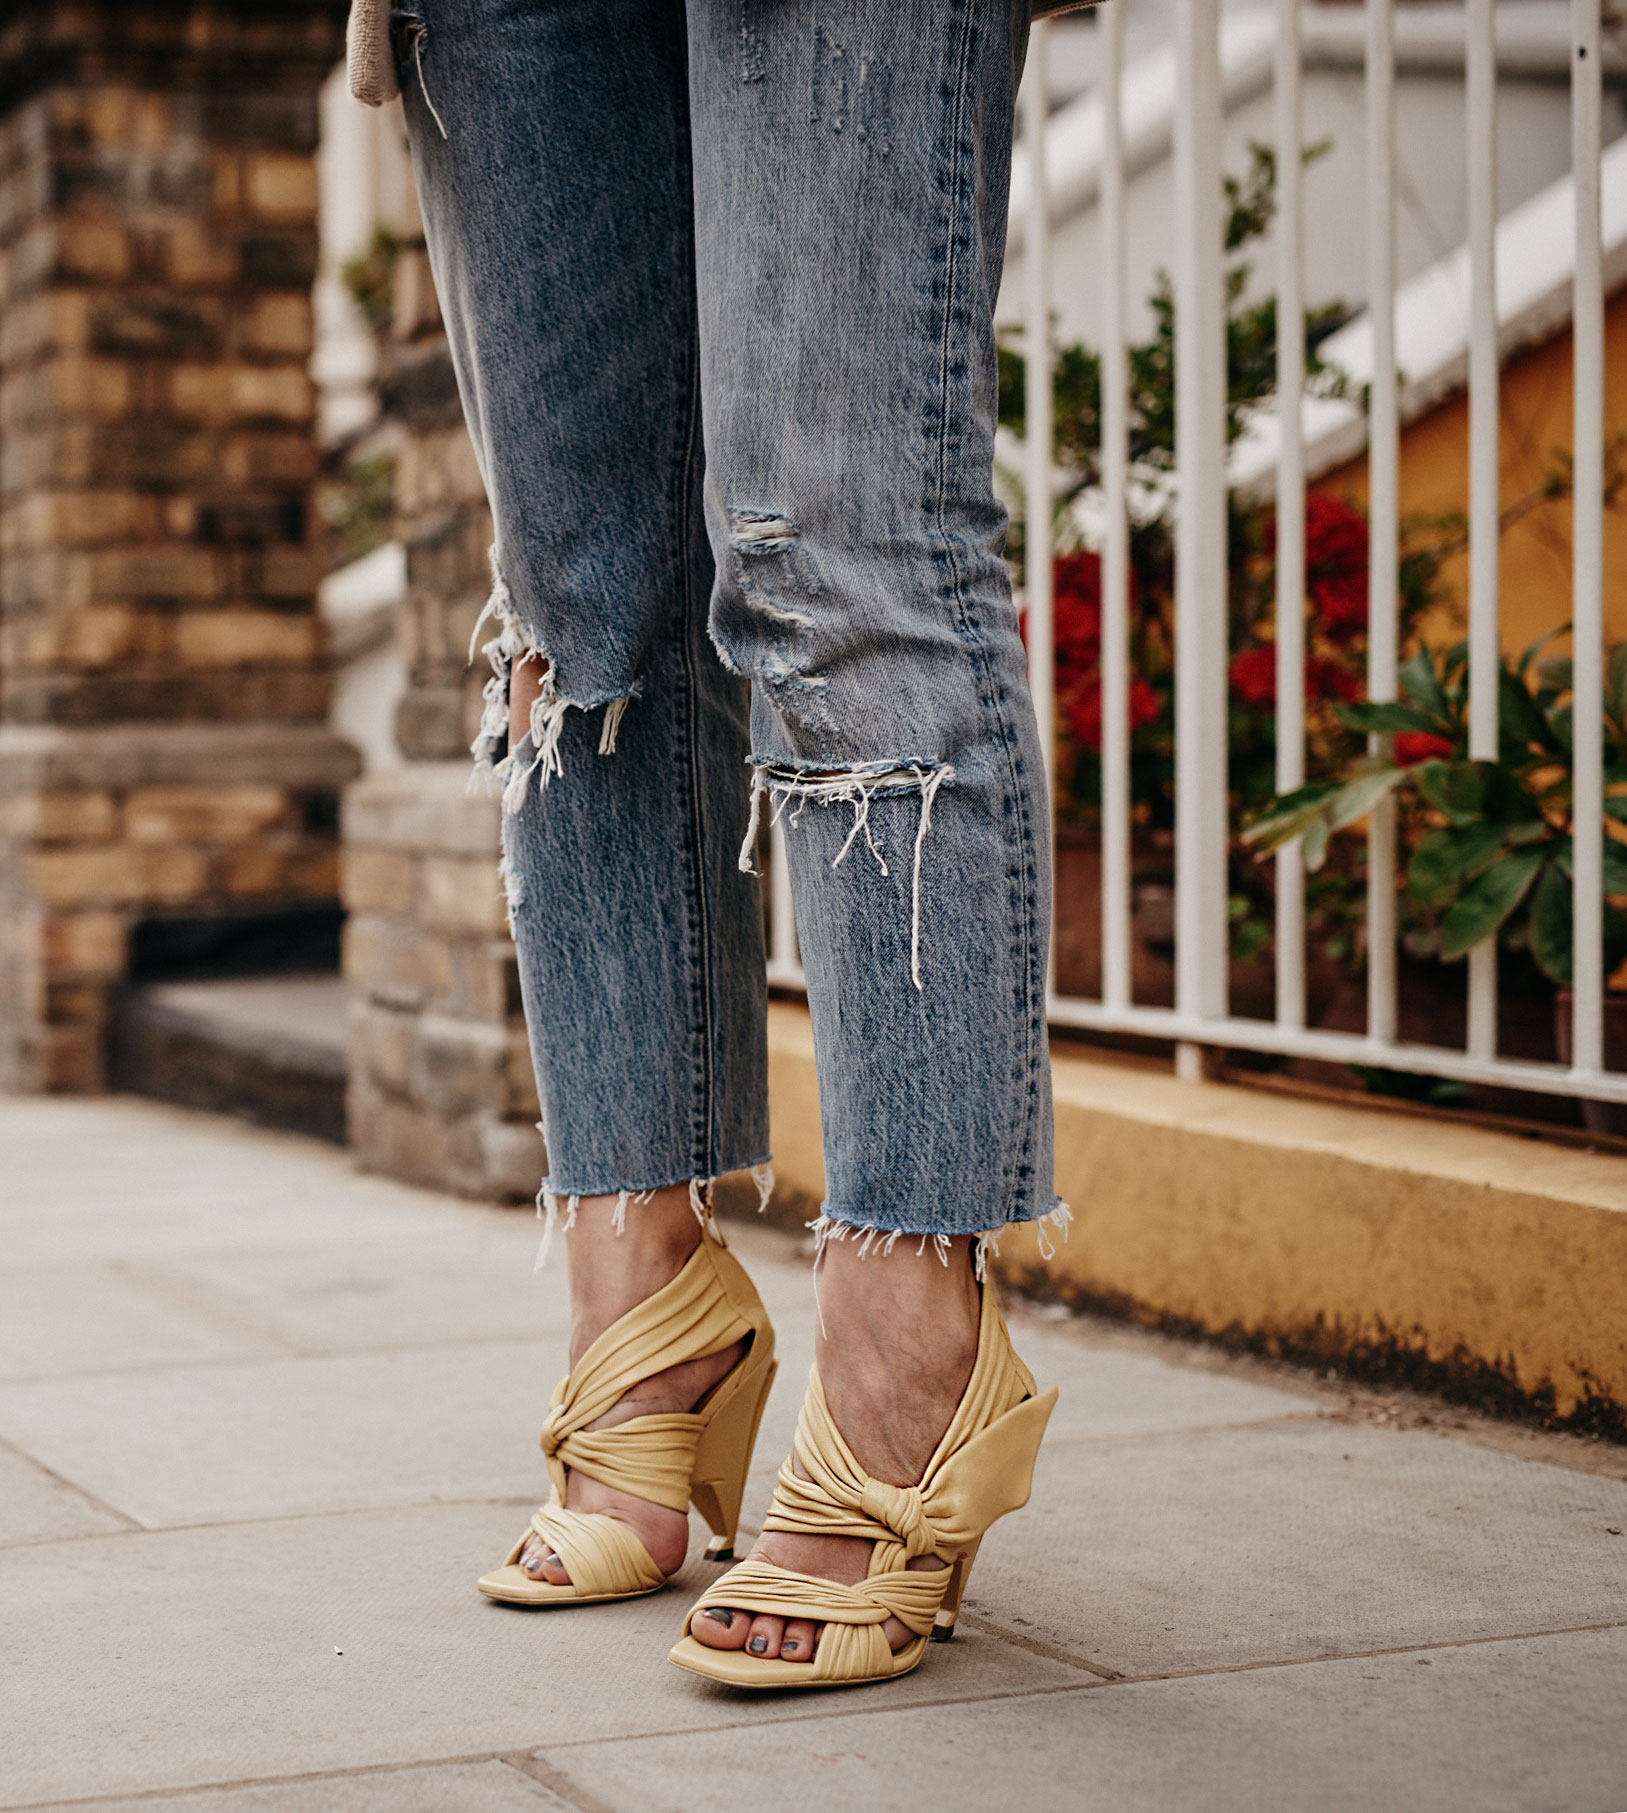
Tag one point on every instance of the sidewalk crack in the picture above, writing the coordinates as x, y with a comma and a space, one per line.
82, 1492
558, 1784
1050, 1651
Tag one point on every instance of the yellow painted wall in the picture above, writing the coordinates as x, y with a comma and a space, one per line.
1536, 422
1310, 1226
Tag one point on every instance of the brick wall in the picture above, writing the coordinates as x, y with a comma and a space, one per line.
441, 1087
112, 826
162, 687
443, 520
157, 250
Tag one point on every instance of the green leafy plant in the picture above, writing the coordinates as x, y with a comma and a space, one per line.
1251, 352
356, 502
1490, 841
370, 278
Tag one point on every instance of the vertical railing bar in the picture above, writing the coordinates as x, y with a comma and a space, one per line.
1037, 413
1200, 544
1115, 469
1290, 602
1587, 503
1383, 499
1480, 58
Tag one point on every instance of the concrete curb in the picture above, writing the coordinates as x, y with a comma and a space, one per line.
1456, 1258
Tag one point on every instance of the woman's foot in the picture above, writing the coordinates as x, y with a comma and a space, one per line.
610, 1274
896, 1348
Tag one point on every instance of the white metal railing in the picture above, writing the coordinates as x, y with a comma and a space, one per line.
1201, 1016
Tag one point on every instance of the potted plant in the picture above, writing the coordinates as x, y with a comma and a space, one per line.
1488, 843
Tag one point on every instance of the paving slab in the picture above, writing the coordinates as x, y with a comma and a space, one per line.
1501, 1728
194, 1657
486, 1787
332, 1414
294, 1436
1296, 1539
34, 1507
474, 1283
1108, 1391
63, 1319
123, 1179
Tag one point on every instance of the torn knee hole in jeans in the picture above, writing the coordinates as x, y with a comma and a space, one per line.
856, 786
761, 532
764, 624
512, 766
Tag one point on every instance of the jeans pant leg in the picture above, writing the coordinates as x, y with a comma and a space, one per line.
852, 160
551, 148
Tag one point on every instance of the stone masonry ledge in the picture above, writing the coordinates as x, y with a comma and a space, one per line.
1447, 1255
425, 806
49, 758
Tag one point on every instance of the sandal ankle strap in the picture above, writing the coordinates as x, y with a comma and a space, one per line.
701, 1312
980, 1470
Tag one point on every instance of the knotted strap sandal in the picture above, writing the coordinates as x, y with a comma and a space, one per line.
700, 1457
981, 1469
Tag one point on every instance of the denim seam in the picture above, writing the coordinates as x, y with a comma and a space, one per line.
698, 874
1022, 1165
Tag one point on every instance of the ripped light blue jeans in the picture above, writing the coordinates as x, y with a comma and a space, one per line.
719, 277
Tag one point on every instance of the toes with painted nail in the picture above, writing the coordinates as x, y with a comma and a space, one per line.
764, 1639
720, 1628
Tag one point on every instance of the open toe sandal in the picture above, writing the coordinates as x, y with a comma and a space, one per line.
982, 1468
699, 1457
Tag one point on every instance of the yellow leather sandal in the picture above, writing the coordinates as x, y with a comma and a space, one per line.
982, 1468
701, 1456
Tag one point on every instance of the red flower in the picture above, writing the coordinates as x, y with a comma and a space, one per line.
1254, 677
1085, 711
1336, 564
1414, 746
1078, 575
1325, 679
1085, 716
1077, 620
1145, 704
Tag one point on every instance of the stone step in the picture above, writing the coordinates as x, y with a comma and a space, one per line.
269, 1049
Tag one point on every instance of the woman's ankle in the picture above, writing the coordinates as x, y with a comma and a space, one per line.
896, 1345
621, 1252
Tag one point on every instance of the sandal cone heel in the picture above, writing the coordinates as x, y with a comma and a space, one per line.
702, 1455
723, 1458
943, 1625
982, 1468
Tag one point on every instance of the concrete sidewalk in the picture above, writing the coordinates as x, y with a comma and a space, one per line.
263, 1420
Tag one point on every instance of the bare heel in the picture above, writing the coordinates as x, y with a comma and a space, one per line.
943, 1625
723, 1458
